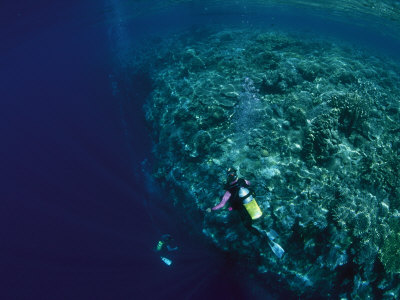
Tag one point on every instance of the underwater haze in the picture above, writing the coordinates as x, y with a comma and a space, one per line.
119, 120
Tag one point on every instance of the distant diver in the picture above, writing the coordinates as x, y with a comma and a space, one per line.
241, 199
164, 246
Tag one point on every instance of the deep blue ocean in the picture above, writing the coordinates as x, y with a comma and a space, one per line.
79, 218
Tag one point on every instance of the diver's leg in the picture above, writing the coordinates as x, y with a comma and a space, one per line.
248, 223
266, 237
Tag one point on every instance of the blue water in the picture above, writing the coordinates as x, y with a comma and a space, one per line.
78, 218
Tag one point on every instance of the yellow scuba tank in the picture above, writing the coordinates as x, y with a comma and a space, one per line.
250, 204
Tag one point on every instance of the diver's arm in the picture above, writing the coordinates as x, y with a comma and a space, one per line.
171, 248
225, 199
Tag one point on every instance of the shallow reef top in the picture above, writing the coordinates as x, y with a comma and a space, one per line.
313, 124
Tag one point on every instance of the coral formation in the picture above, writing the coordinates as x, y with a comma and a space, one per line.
312, 124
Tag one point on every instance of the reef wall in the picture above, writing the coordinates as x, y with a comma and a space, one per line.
314, 125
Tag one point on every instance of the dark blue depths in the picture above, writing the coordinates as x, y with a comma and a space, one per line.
77, 221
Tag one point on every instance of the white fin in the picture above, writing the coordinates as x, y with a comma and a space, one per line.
167, 261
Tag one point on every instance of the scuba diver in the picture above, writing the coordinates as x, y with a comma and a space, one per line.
241, 199
164, 246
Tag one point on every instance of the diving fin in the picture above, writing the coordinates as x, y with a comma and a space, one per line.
277, 249
167, 261
272, 235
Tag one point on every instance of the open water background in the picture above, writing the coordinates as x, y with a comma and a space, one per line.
79, 218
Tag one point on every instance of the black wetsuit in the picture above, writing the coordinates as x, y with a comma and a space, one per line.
237, 203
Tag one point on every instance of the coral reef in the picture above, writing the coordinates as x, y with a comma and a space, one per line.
314, 125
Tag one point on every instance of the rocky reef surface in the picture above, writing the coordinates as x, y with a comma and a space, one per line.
314, 125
